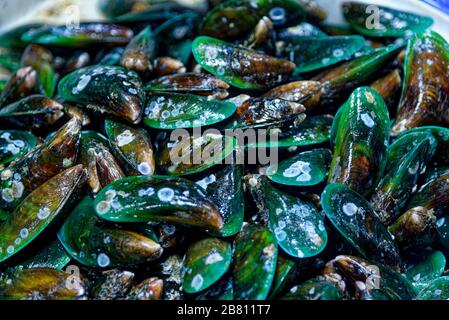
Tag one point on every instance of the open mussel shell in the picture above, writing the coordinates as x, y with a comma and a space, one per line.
177, 111
380, 21
396, 187
93, 244
426, 63
37, 211
133, 145
240, 67
305, 169
85, 34
157, 198
313, 53
255, 256
235, 18
27, 173
372, 281
362, 134
225, 189
14, 144
108, 89
195, 83
206, 261
297, 225
355, 219
314, 289
42, 284
185, 154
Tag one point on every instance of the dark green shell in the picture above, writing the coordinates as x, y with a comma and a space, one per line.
396, 187
82, 36
171, 111
255, 256
380, 21
206, 261
355, 219
93, 244
236, 18
305, 169
113, 90
314, 130
14, 144
225, 189
314, 289
437, 289
429, 266
157, 198
313, 53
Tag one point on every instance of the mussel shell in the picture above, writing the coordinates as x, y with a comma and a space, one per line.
389, 23
437, 289
157, 198
206, 261
195, 83
95, 245
314, 289
133, 145
425, 90
37, 211
308, 168
34, 111
177, 111
362, 136
42, 284
14, 144
355, 219
108, 89
396, 187
313, 53
238, 66
86, 34
189, 154
225, 189
43, 162
255, 256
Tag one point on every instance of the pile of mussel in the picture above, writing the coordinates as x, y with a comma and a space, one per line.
93, 205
